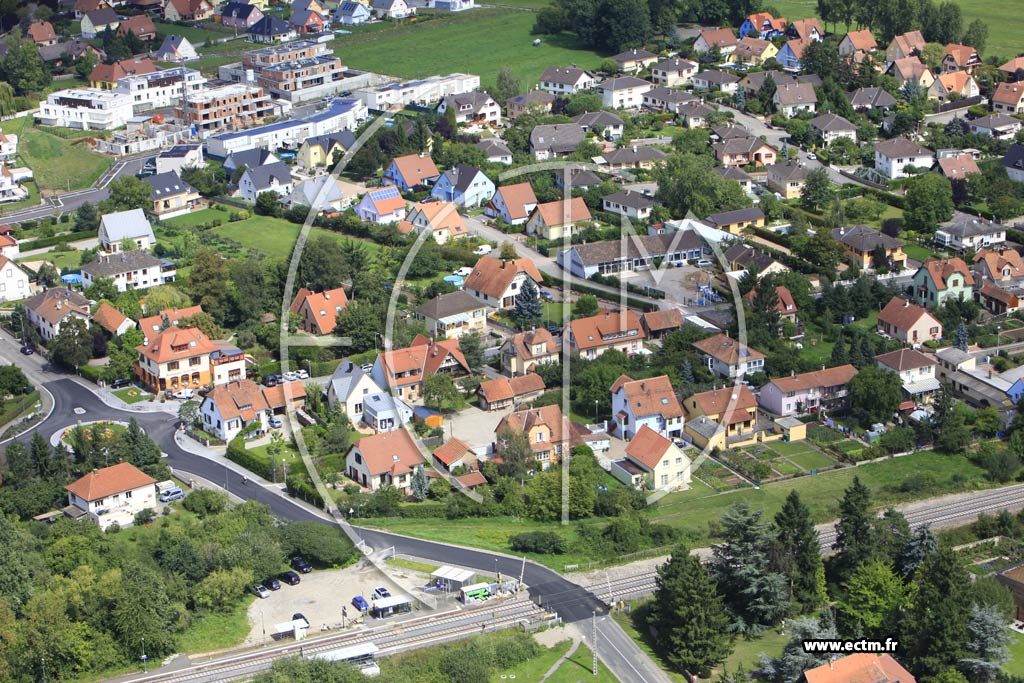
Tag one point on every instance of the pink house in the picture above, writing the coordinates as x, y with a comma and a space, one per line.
908, 322
808, 392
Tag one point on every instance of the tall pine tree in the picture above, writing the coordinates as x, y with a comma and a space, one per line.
935, 628
855, 542
528, 310
797, 555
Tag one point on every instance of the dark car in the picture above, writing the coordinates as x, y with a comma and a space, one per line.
359, 602
27, 350
299, 616
120, 383
291, 578
300, 564
271, 380
554, 329
273, 584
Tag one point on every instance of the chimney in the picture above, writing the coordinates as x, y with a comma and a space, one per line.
906, 304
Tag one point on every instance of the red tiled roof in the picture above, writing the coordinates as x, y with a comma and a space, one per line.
41, 32
415, 169
516, 197
668, 319
605, 329
726, 349
108, 317
105, 482
505, 388
997, 260
862, 40
152, 324
452, 451
175, 343
829, 377
648, 447
554, 213
652, 396
392, 452
492, 276
717, 401
941, 271
109, 73
323, 306
902, 314
860, 668
278, 397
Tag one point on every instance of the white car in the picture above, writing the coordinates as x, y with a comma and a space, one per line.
464, 271
704, 263
184, 394
290, 376
483, 250
812, 157
301, 374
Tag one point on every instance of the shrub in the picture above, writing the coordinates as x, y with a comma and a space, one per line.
145, 516
205, 502
324, 546
546, 542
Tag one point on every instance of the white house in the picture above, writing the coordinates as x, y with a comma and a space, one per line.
130, 270
630, 203
160, 89
915, 369
86, 109
276, 177
646, 402
512, 203
893, 156
381, 205
14, 282
348, 388
566, 80
965, 231
472, 108
652, 462
384, 458
624, 92
830, 127
497, 282
674, 71
232, 407
113, 494
729, 358
48, 310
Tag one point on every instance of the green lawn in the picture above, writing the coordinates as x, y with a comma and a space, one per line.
812, 460
217, 630
56, 162
747, 653
412, 565
1015, 666
27, 203
917, 252
60, 259
479, 42
626, 622
276, 236
195, 218
132, 395
790, 448
578, 668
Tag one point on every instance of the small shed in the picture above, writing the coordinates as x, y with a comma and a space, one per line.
428, 416
296, 628
386, 607
791, 428
451, 578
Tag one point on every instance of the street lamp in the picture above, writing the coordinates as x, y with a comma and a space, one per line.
595, 411
998, 329
145, 659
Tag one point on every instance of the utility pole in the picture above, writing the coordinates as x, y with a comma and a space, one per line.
593, 641
145, 659
521, 572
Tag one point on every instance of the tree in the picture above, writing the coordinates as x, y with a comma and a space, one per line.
72, 347
962, 339
7, 105
508, 252
472, 347
101, 288
322, 265
440, 392
85, 64
362, 322
928, 202
686, 183
794, 660
875, 394
507, 86
586, 306
822, 250
854, 544
797, 555
87, 218
528, 310
976, 35
817, 189
515, 451
872, 600
269, 204
936, 626
988, 644
327, 546
208, 282
689, 616
127, 193
419, 484
22, 66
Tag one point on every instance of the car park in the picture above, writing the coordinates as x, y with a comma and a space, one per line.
272, 584
300, 564
260, 590
275, 422
381, 592
291, 578
359, 602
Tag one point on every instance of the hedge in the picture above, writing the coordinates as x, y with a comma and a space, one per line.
793, 212
599, 293
299, 486
238, 454
887, 197
774, 237
424, 510
60, 239
92, 373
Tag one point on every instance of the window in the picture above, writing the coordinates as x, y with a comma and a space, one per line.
173, 365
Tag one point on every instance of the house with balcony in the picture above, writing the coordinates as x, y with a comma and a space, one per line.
892, 157
734, 408
86, 109
673, 72
909, 323
653, 462
713, 80
864, 246
112, 495
938, 281
966, 232
130, 270
465, 185
230, 408
348, 388
472, 109
729, 358
403, 371
547, 430
788, 179
171, 196
762, 25
831, 127
186, 358
550, 141
808, 392
522, 352
606, 331
959, 58
916, 371
452, 315
385, 459
650, 403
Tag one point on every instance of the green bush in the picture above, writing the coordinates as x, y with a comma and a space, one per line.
424, 510
92, 373
60, 239
237, 454
299, 486
545, 542
323, 546
205, 502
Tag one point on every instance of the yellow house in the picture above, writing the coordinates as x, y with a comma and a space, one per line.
555, 220
861, 242
321, 150
735, 408
753, 51
653, 462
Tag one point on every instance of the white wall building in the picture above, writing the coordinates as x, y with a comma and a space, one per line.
86, 109
160, 89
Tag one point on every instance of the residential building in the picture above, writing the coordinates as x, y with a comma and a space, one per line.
958, 166
112, 495
539, 101
224, 107
119, 226
576, 179
171, 195
909, 323
271, 29
741, 257
175, 49
629, 203
806, 29
752, 51
859, 667
187, 10
792, 54
623, 158
735, 222
736, 173
658, 324
454, 453
49, 309
497, 282
248, 158
559, 219
403, 371
965, 232
318, 311
729, 358
86, 109
14, 281
505, 392
634, 61
734, 408
916, 371
472, 109
130, 270
960, 58
10, 190
464, 185
995, 299
753, 82
631, 254
392, 9
495, 151
862, 41
161, 89
650, 403
8, 145
382, 205
8, 245
411, 172
276, 178
97, 21
808, 392
523, 352
653, 462
566, 80
67, 52
936, 282
1013, 162
240, 15
791, 99
892, 157
348, 388
180, 157
868, 99
744, 151
549, 141
906, 45
673, 72
716, 80
232, 407
179, 358
349, 13
140, 24
452, 315
785, 306
831, 127
603, 124
110, 319
384, 459
306, 21
324, 150
1002, 265
168, 317
911, 69
548, 431
1014, 69
41, 33
999, 126
423, 92
383, 412
788, 179
608, 330
722, 38
861, 244
1008, 98
83, 6
762, 25
442, 219
297, 71
512, 203
691, 112
954, 85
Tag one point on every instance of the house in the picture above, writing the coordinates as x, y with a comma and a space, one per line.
183, 357
411, 172
807, 392
566, 80
908, 322
442, 219
753, 82
790, 99
452, 315
792, 53
505, 392
403, 371
230, 408
606, 331
512, 203
558, 219
548, 432
9, 246
958, 167
603, 124
954, 85
861, 244
658, 324
454, 453
141, 25
306, 21
722, 39
83, 6
965, 232
171, 195
1003, 265
729, 358
350, 13
348, 388
650, 403
41, 33
392, 9
716, 80
14, 281
752, 51
999, 126
788, 179
736, 173
68, 52
763, 25
495, 151
633, 157
1013, 162
383, 412
911, 69
105, 76
113, 321
180, 157
318, 311
472, 109
116, 228
248, 158
538, 101
669, 99
733, 408
868, 99
960, 58
937, 281
892, 157
629, 203
465, 185
48, 310
859, 667
653, 462
906, 45
694, 114
576, 179
744, 151
168, 317
555, 140
831, 127
112, 495
321, 150
240, 15
175, 49
522, 352
634, 61
862, 42
673, 72
996, 300
1009, 98
623, 92
806, 29
130, 270
1014, 69
187, 10
384, 459
97, 21
785, 306
497, 282
916, 371
381, 205
631, 254
734, 222
271, 29
276, 178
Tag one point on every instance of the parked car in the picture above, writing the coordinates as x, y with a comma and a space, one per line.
464, 271
381, 592
554, 329
120, 383
275, 422
300, 564
27, 350
170, 494
812, 157
291, 578
301, 374
290, 376
272, 584
546, 295
359, 602
271, 380
366, 367
483, 250
184, 394
299, 616
704, 263
260, 590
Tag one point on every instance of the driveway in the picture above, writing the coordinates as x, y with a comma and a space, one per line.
473, 426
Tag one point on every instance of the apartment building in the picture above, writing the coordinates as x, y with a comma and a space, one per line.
86, 109
297, 71
179, 358
229, 106
423, 91
160, 89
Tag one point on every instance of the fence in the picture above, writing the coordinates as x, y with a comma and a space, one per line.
619, 559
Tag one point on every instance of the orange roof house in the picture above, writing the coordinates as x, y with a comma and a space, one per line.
105, 75
454, 453
619, 330
152, 324
547, 430
140, 24
908, 322
960, 58
860, 668
999, 265
497, 282
958, 166
652, 461
318, 311
441, 218
651, 401
553, 220
785, 306
101, 483
411, 171
727, 357
112, 320
41, 33
523, 352
111, 495
1009, 98
387, 458
512, 203
938, 280
503, 392
404, 370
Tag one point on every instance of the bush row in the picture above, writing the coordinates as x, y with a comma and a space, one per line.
43, 242
237, 454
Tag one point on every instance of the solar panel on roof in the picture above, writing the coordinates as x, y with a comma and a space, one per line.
389, 192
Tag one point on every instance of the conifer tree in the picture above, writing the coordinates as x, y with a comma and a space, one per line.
797, 555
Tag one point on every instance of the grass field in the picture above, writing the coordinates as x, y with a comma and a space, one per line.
812, 460
217, 630
747, 653
1015, 666
626, 622
57, 163
132, 395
